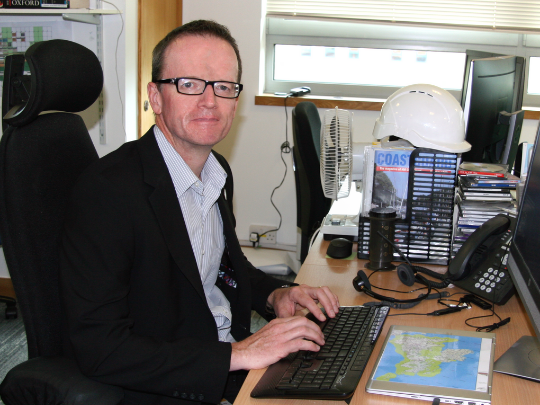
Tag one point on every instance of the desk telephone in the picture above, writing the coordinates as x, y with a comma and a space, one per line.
480, 264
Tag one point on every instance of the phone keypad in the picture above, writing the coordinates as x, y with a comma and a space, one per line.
491, 279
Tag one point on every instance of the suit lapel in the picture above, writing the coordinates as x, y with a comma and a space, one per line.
166, 207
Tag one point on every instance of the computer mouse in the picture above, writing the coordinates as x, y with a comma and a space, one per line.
339, 248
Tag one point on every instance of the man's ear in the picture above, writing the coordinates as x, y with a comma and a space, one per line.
154, 97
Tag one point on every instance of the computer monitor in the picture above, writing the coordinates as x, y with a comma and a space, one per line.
493, 85
519, 79
523, 359
470, 55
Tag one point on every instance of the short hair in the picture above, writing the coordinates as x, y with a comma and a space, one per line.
203, 28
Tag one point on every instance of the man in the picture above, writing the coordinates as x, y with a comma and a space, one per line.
156, 289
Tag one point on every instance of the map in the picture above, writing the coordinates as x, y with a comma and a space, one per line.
435, 360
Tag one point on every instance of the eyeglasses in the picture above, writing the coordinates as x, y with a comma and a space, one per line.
193, 87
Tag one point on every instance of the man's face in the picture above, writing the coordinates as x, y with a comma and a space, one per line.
203, 120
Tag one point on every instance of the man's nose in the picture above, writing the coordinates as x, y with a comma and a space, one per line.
208, 97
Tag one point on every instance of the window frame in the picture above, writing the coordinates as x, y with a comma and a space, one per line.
380, 93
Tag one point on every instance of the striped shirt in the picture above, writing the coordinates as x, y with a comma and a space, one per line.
198, 201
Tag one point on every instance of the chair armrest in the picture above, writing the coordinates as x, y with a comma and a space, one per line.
55, 381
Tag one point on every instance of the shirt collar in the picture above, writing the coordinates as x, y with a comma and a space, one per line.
212, 174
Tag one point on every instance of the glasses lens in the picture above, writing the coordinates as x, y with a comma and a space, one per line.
226, 89
190, 86
197, 86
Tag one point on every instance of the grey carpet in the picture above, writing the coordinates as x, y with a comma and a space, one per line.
13, 348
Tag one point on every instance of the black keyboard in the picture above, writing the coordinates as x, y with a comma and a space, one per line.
334, 371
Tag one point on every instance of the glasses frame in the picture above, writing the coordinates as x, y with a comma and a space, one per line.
176, 80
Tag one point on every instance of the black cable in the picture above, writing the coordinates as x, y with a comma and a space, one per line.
405, 258
442, 301
456, 293
397, 291
419, 269
401, 292
385, 289
494, 326
373, 272
284, 148
408, 313
488, 328
274, 190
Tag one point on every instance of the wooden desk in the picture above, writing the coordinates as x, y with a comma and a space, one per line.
338, 275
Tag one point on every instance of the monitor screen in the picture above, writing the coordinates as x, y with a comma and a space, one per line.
523, 359
471, 55
492, 85
524, 255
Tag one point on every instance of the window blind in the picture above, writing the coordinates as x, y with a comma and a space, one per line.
507, 15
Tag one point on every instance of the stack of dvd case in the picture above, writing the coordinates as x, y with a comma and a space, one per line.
419, 183
484, 191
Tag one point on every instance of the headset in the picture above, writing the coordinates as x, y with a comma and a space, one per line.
408, 275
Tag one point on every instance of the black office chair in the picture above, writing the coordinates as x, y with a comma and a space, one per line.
41, 156
311, 204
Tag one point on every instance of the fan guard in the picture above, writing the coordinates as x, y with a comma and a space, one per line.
336, 153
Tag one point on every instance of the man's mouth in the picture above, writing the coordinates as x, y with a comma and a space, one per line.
206, 119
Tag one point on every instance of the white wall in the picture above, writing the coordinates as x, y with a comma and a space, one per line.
252, 146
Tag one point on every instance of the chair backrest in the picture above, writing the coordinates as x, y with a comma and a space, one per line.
41, 157
311, 204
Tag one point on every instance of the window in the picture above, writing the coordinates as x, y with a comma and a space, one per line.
534, 79
367, 66
373, 59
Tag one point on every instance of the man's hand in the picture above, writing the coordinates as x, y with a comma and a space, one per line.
286, 301
274, 341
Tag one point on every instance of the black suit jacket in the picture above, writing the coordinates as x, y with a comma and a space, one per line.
136, 310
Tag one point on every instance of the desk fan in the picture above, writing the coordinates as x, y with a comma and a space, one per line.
341, 166
336, 153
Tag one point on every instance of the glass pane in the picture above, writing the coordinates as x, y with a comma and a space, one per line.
534, 75
368, 67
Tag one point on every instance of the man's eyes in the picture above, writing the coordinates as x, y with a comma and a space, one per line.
189, 85
223, 87
193, 86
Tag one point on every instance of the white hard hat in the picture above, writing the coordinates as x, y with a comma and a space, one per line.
425, 115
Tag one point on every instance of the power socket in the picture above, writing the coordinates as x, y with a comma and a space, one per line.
268, 238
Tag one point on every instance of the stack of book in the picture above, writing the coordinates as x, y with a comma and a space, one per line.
44, 3
484, 190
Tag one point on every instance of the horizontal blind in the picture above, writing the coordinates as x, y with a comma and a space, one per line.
507, 15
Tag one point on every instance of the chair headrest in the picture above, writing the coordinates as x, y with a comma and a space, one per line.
65, 76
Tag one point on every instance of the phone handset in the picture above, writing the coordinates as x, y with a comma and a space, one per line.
460, 266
